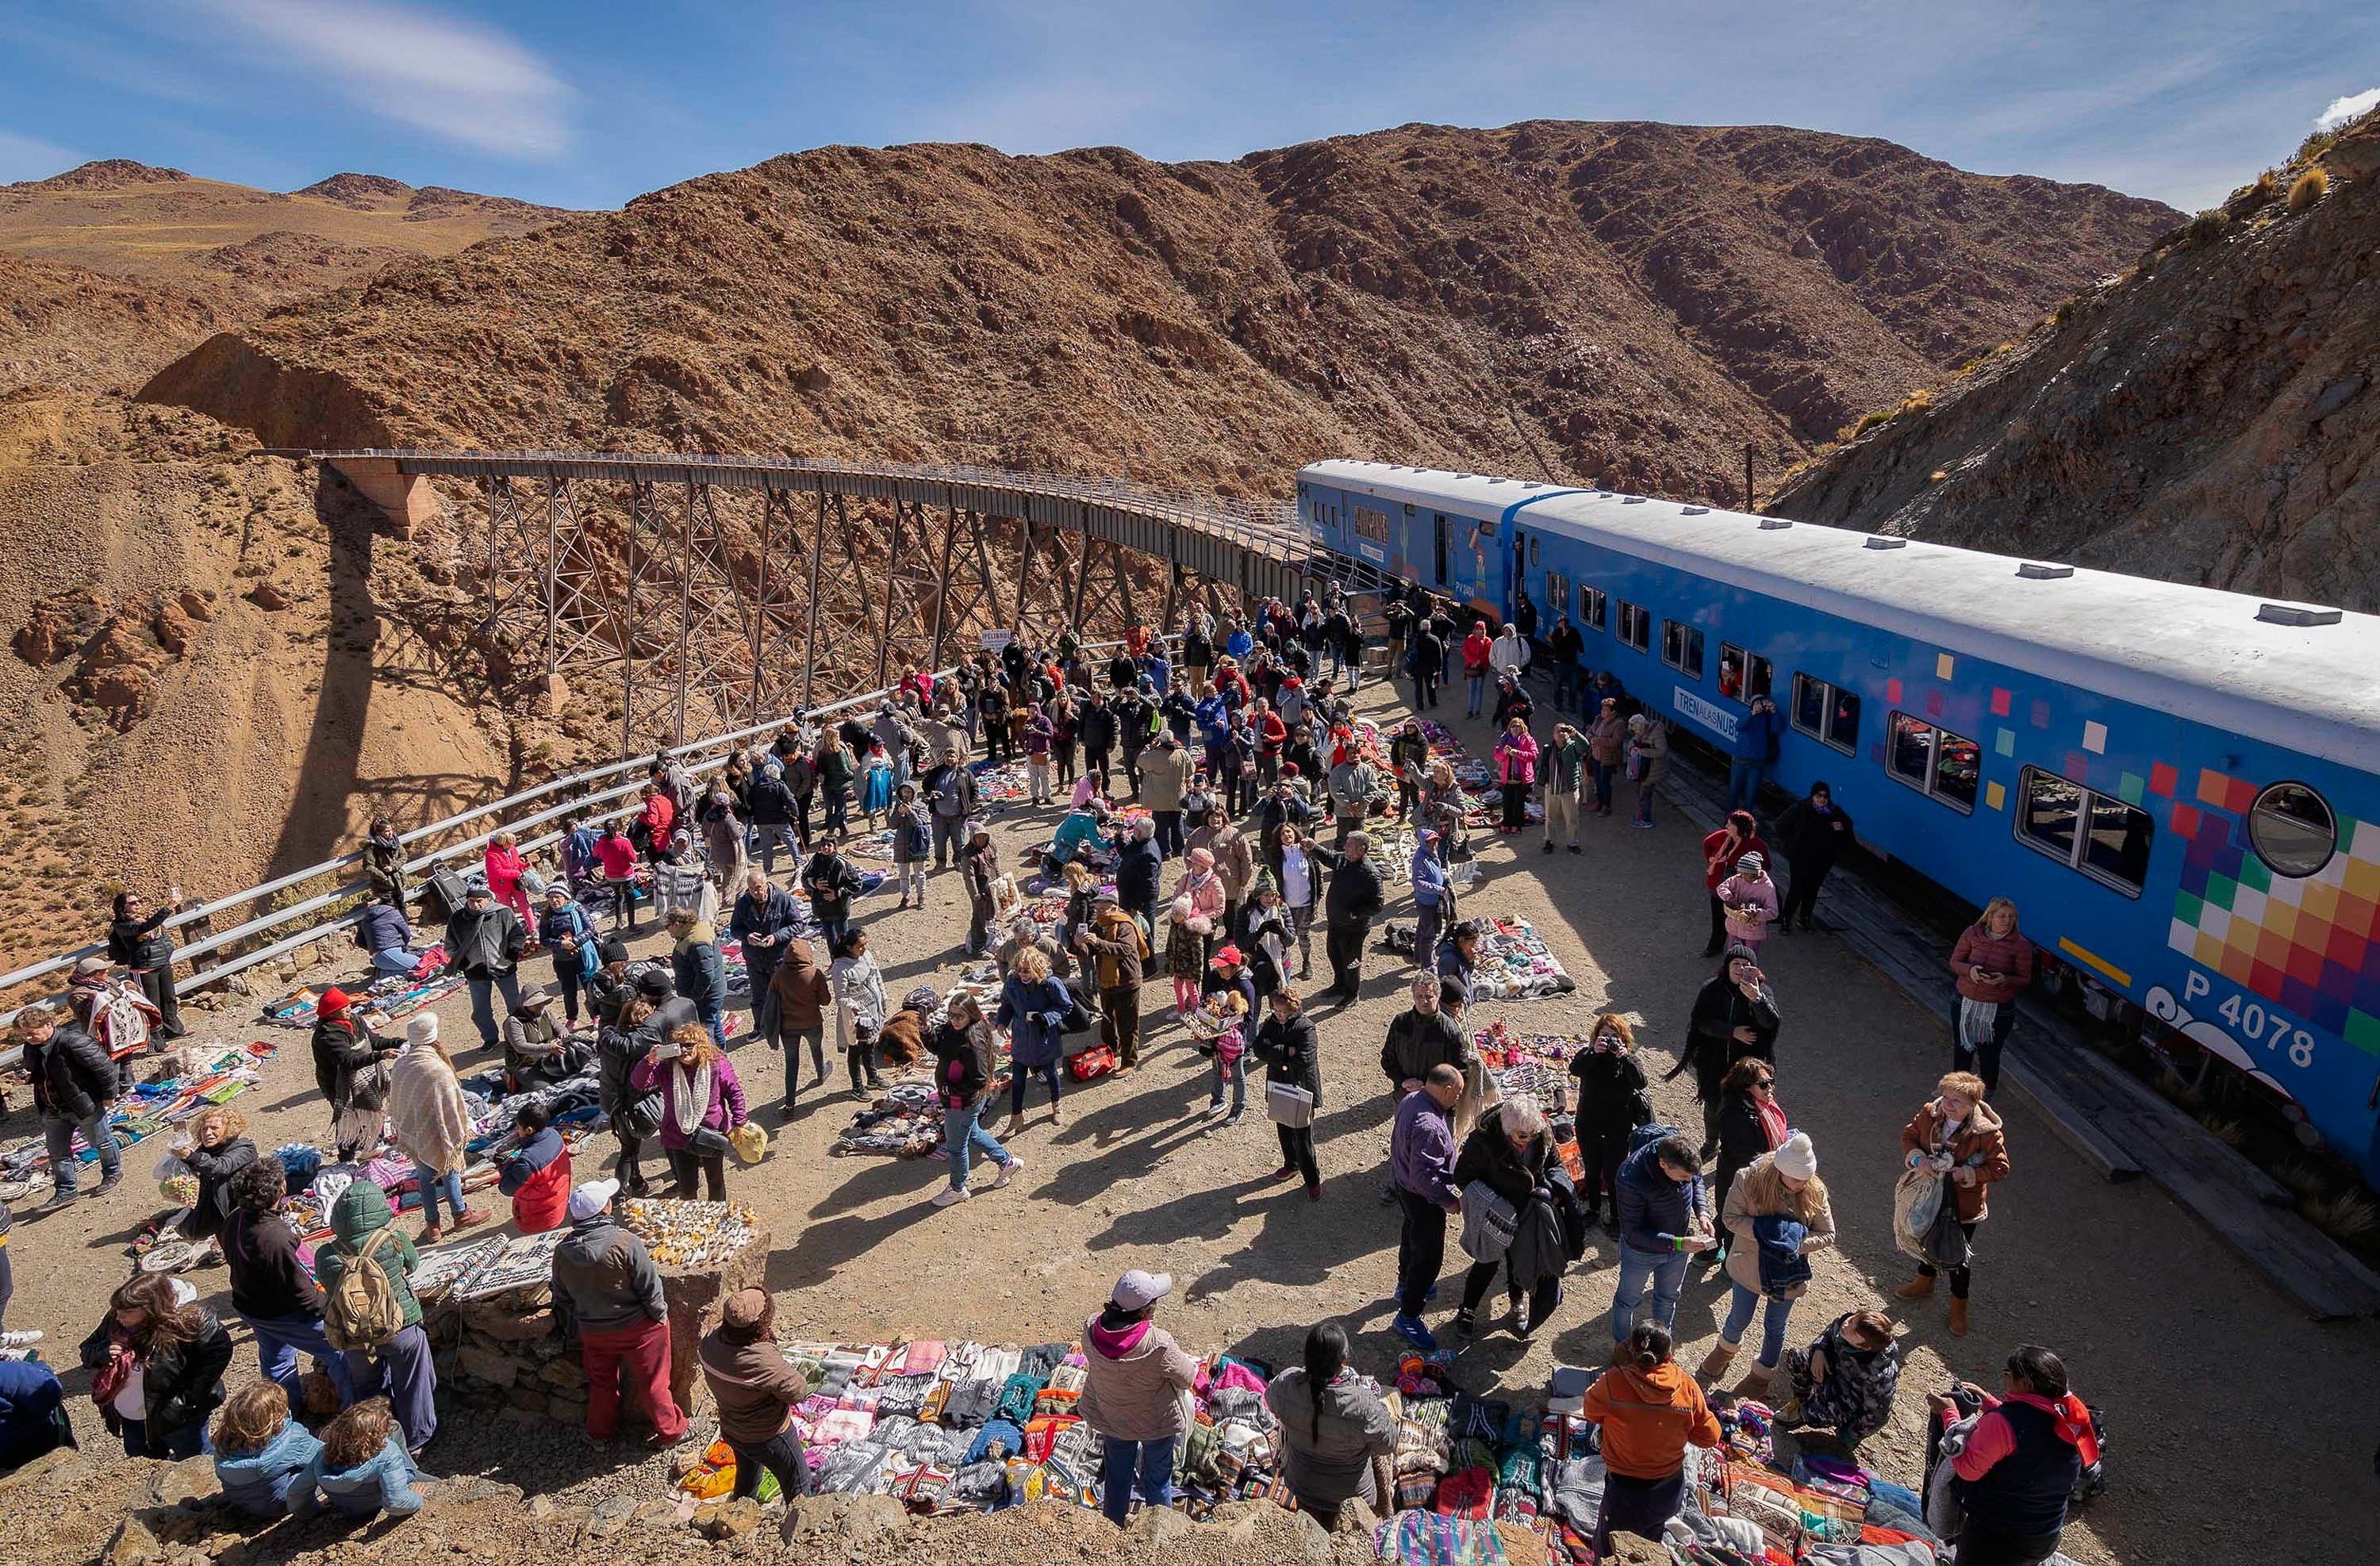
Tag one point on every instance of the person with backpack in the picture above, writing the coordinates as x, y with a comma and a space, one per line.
157, 1363
369, 1311
1117, 954
912, 840
614, 1292
2015, 1471
429, 1121
569, 935
74, 1089
139, 941
966, 1060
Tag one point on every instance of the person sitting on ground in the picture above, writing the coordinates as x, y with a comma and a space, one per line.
1649, 1411
1846, 1380
219, 1148
756, 1390
535, 1050
537, 1177
260, 1451
1335, 1429
362, 1469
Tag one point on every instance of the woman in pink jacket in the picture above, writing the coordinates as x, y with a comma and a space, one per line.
1517, 768
1749, 897
504, 865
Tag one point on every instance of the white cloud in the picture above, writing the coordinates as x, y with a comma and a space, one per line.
2353, 107
455, 79
27, 157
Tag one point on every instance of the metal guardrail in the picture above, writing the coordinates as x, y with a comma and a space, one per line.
701, 757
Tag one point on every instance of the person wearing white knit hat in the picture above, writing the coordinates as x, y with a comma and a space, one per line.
1778, 1216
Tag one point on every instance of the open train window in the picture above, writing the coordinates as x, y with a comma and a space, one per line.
2293, 828
1681, 647
1936, 763
1742, 676
2103, 838
1635, 624
1590, 609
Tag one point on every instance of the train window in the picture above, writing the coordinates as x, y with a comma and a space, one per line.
1558, 593
1681, 647
1821, 710
2104, 838
1742, 676
1532, 549
1934, 761
1635, 624
2293, 828
1590, 609
1372, 525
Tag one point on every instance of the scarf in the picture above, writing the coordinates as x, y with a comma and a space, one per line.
2074, 1426
689, 1097
1773, 1124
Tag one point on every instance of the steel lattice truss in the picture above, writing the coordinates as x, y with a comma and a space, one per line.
714, 593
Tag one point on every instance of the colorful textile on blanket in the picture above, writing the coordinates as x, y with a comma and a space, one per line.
1516, 964
904, 1123
392, 998
1536, 1063
217, 1077
1426, 1538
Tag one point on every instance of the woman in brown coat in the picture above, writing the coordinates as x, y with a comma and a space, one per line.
1958, 1135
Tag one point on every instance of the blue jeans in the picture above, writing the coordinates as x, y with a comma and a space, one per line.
1151, 1460
1772, 1327
1666, 1271
58, 1132
482, 1009
714, 1017
448, 1185
962, 1133
1477, 687
1570, 680
394, 960
1743, 780
1234, 1071
280, 1339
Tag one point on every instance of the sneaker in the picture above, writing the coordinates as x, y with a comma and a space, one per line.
110, 1182
1576, 849
1412, 1329
1645, 825
1549, 848
1234, 1117
470, 1217
951, 1195
1313, 1193
1283, 1172
19, 1339
1008, 1172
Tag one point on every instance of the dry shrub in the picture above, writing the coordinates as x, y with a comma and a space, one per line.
2350, 1217
2308, 189
2230, 1133
2302, 1178
1937, 475
2205, 228
1917, 401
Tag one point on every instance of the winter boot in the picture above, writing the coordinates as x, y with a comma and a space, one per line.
1918, 1288
1754, 1384
1715, 1362
1957, 1318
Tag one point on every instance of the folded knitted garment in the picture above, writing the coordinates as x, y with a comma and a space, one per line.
999, 1440
905, 1395
1042, 1359
923, 1357
978, 1487
969, 1404
842, 1425
855, 1468
1017, 1395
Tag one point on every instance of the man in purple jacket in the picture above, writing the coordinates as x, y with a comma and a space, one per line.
1421, 1158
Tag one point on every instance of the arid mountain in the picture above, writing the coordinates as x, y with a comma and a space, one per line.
2207, 416
132, 266
1638, 302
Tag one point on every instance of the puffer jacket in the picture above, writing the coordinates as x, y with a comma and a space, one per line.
384, 1483
1134, 1382
141, 943
357, 1218
257, 1483
72, 1075
617, 1050
1655, 1210
607, 1276
538, 1180
1024, 1010
1332, 1432
700, 972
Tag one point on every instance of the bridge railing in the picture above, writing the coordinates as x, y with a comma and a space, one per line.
591, 793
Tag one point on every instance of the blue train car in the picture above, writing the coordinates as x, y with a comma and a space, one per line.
2179, 787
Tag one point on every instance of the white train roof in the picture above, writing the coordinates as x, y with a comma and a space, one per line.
2229, 661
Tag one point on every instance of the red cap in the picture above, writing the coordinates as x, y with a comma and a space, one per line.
333, 1003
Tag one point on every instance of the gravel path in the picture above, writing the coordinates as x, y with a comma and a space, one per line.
2187, 1350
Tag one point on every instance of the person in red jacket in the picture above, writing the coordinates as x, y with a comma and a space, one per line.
660, 816
617, 857
1271, 734
1990, 968
1477, 654
537, 1177
1722, 849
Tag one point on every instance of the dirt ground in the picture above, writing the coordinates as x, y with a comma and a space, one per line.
2238, 1427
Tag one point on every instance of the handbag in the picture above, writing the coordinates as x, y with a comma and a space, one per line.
1288, 1104
1916, 1202
710, 1139
1095, 1062
642, 1119
1488, 1222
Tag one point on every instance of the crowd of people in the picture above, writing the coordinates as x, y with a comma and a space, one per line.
1227, 757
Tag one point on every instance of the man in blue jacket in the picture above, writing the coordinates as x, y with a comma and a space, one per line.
1754, 752
1664, 1223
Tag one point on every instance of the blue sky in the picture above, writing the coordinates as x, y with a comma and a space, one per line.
588, 103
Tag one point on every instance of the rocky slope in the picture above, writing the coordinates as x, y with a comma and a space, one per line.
215, 670
110, 271
2207, 416
1633, 301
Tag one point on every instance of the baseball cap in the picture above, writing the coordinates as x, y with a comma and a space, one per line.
592, 1198
1137, 1290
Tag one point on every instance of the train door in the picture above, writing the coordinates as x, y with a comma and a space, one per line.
1437, 525
1516, 586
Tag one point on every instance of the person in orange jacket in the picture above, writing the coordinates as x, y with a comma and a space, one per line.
1649, 1411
